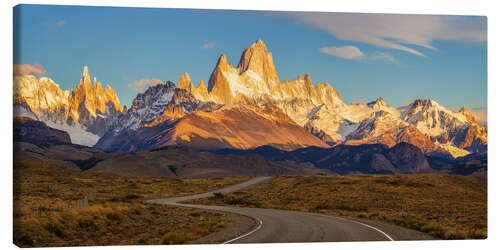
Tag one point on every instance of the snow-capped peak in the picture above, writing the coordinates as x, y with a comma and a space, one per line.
431, 118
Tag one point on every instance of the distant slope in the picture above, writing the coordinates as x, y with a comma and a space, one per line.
348, 159
33, 140
241, 126
183, 162
173, 161
244, 127
373, 159
32, 131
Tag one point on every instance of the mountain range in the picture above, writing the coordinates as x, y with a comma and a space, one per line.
243, 107
35, 141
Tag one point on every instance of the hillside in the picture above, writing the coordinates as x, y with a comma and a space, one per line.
444, 206
49, 208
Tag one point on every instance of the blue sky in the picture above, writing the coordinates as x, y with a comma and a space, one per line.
363, 56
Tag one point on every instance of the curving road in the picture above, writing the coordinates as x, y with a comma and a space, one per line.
280, 226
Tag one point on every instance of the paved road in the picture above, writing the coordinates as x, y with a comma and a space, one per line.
279, 226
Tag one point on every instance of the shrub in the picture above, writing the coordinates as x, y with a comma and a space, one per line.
54, 228
218, 195
86, 223
113, 216
351, 208
132, 196
322, 206
25, 240
173, 238
194, 214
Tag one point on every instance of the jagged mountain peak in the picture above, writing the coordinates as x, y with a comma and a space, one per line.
93, 97
259, 44
306, 78
85, 72
431, 118
426, 103
257, 59
84, 112
157, 89
379, 102
85, 79
464, 111
202, 84
222, 62
201, 92
186, 83
157, 104
255, 79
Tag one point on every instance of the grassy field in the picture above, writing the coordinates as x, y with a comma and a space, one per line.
47, 210
444, 206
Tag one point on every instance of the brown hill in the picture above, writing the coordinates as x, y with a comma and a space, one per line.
172, 161
241, 126
175, 161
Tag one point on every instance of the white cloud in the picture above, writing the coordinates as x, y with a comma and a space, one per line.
354, 53
397, 31
208, 45
380, 56
143, 84
346, 52
26, 69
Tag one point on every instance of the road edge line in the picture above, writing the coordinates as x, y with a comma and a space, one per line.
374, 228
363, 224
246, 234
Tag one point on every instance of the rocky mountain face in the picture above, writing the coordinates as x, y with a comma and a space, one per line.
442, 125
157, 104
165, 115
320, 109
84, 113
243, 106
255, 79
158, 107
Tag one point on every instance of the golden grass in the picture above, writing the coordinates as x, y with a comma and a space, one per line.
46, 208
444, 206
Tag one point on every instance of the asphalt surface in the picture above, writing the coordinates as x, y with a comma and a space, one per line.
280, 226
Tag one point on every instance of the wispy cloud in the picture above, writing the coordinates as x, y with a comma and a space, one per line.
380, 56
208, 45
143, 84
397, 31
354, 53
346, 52
26, 69
60, 23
